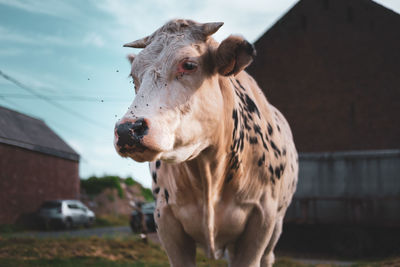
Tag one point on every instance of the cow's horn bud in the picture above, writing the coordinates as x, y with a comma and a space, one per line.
142, 43
211, 28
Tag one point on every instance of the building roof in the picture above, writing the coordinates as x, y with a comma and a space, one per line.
332, 68
23, 131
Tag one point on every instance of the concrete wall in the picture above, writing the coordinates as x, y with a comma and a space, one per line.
348, 187
28, 178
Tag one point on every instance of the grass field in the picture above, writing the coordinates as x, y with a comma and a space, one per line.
111, 252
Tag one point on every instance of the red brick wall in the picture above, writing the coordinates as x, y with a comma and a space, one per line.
333, 69
28, 178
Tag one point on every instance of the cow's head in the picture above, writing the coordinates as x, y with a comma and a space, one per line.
178, 107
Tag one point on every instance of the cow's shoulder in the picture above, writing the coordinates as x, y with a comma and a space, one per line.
263, 148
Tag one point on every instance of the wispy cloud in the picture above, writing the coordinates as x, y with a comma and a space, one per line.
62, 9
12, 36
37, 39
250, 17
46, 83
10, 51
94, 39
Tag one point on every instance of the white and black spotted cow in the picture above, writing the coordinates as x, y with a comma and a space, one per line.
223, 160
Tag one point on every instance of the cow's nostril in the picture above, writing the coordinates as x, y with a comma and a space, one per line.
131, 133
125, 135
140, 127
124, 129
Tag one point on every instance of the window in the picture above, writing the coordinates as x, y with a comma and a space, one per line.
51, 205
73, 206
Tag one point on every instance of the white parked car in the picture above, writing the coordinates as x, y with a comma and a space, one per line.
66, 213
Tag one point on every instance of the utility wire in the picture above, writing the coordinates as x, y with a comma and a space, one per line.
56, 124
51, 102
64, 98
12, 103
53, 122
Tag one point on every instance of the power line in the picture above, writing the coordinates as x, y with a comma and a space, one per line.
10, 102
56, 124
65, 98
51, 101
50, 121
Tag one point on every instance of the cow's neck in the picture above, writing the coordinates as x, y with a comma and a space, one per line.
208, 171
218, 166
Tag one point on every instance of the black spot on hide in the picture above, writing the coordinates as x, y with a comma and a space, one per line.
278, 172
158, 164
166, 195
229, 177
154, 175
261, 160
274, 147
270, 131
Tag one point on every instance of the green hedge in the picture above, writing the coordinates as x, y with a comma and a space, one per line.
130, 181
148, 195
95, 185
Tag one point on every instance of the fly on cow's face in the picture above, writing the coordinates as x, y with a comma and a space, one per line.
134, 82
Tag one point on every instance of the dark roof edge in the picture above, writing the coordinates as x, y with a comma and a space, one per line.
274, 24
350, 154
277, 21
41, 149
22, 114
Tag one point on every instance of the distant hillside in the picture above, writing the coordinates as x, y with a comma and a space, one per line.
112, 195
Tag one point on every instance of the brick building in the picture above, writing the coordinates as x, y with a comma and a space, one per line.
35, 165
333, 68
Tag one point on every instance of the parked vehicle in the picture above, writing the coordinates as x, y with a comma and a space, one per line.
146, 210
65, 213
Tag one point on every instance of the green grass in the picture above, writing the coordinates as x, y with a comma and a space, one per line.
113, 252
111, 220
72, 262
91, 251
11, 228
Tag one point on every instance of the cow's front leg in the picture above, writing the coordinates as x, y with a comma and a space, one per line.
180, 247
269, 258
250, 246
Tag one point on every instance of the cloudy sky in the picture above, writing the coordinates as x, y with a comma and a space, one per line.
71, 69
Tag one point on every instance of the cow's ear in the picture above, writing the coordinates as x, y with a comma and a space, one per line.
233, 55
130, 57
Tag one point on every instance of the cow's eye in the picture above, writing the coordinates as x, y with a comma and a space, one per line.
187, 66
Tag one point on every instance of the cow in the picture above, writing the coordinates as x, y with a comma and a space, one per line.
222, 158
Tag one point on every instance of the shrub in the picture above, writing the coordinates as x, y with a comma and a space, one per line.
148, 195
95, 185
129, 181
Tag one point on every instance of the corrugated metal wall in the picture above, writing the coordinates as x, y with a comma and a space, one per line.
360, 187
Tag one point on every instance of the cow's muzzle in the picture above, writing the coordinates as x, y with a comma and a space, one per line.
130, 134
